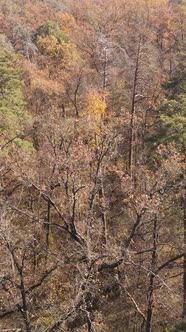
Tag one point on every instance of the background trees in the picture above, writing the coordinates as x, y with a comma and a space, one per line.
12, 113
92, 170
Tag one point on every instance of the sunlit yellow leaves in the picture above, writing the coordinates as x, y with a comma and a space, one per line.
61, 52
47, 44
95, 107
94, 111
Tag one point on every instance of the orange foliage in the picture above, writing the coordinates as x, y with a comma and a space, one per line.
40, 79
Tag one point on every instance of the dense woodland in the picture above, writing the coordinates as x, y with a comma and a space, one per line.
92, 166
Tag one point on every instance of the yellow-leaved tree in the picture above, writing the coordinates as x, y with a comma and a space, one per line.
52, 42
95, 109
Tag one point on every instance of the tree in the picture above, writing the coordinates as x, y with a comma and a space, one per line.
173, 132
91, 223
54, 44
13, 116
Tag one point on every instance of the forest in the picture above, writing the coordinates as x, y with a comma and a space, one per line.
92, 166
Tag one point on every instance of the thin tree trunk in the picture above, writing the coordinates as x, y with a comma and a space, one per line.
105, 70
184, 263
24, 309
132, 121
152, 276
48, 226
104, 216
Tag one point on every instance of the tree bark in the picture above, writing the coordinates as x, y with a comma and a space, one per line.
24, 307
152, 276
132, 121
184, 258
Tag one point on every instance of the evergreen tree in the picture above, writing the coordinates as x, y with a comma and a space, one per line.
173, 108
13, 116
173, 130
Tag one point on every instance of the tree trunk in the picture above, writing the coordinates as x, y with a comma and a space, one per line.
48, 226
152, 276
184, 263
103, 214
24, 308
132, 121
